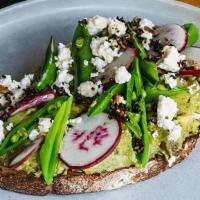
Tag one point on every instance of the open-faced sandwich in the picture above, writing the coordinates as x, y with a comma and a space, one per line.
118, 105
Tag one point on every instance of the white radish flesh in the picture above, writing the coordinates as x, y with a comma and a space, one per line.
175, 34
90, 141
26, 153
125, 59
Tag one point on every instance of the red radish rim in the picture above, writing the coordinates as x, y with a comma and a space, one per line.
101, 158
186, 36
25, 102
37, 146
187, 72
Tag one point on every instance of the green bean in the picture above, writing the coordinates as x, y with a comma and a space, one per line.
50, 148
49, 71
153, 93
82, 54
193, 33
135, 128
129, 92
149, 71
103, 101
138, 45
26, 123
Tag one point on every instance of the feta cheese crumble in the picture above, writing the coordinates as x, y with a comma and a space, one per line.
146, 26
16, 88
122, 75
171, 58
9, 126
88, 89
75, 121
155, 134
116, 27
44, 124
3, 100
33, 134
196, 116
166, 111
194, 88
171, 161
64, 63
1, 131
96, 24
104, 50
170, 79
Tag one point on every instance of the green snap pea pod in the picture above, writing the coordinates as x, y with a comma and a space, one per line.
18, 117
146, 136
49, 70
149, 71
138, 45
26, 123
82, 54
134, 117
153, 93
134, 128
137, 78
103, 101
50, 148
144, 156
193, 33
129, 92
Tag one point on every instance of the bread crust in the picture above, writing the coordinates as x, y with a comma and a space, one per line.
72, 183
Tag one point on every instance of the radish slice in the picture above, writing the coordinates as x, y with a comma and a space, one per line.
90, 141
175, 34
37, 100
192, 53
125, 59
26, 153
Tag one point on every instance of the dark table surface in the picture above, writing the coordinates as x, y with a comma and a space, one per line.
4, 3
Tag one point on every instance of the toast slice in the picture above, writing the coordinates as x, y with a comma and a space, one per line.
73, 183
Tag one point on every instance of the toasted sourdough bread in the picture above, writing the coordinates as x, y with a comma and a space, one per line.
72, 183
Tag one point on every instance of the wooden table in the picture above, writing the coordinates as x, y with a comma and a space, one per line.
192, 2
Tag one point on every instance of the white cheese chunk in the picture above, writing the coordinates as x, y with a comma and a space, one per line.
104, 50
3, 100
2, 136
170, 79
44, 124
146, 23
64, 63
175, 133
75, 121
194, 88
96, 24
196, 116
116, 27
122, 75
166, 111
171, 161
88, 89
26, 81
33, 134
9, 126
171, 58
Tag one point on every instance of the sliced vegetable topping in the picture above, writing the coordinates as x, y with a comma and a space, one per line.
26, 153
90, 141
51, 146
20, 132
48, 74
37, 100
172, 34
125, 59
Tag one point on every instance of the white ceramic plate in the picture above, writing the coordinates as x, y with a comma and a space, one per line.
25, 29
